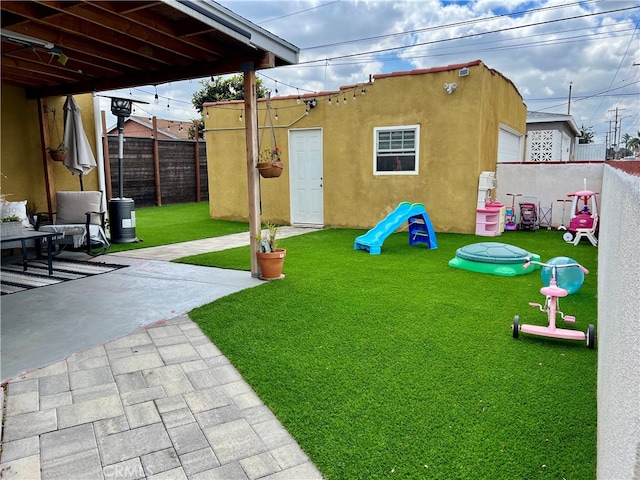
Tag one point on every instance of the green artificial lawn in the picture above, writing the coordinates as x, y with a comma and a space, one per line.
399, 366
177, 223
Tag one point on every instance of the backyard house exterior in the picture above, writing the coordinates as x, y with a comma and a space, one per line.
142, 127
551, 137
352, 155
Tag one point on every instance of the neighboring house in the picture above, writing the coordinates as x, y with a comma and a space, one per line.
551, 137
352, 155
143, 127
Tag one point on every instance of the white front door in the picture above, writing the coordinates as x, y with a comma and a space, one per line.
305, 163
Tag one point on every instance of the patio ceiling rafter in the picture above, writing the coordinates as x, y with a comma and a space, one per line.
117, 44
55, 48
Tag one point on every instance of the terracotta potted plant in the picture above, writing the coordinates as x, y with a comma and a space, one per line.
270, 257
59, 153
269, 164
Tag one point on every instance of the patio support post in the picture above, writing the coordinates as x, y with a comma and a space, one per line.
253, 179
45, 141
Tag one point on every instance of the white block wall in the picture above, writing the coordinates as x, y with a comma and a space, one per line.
618, 333
548, 183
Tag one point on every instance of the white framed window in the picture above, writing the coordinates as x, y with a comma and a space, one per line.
396, 150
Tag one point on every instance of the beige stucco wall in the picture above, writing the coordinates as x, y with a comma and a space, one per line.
619, 327
458, 140
21, 152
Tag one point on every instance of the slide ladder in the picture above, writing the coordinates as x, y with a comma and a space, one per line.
420, 228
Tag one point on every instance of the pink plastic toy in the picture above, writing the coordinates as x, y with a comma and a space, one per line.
552, 295
584, 213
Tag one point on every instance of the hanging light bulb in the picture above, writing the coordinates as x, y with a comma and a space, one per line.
298, 99
168, 104
156, 100
344, 99
207, 114
169, 126
363, 91
180, 127
337, 101
354, 93
240, 117
329, 101
276, 114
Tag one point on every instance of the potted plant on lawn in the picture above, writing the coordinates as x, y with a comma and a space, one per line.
59, 153
269, 164
270, 257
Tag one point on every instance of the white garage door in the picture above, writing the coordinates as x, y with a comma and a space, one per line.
509, 146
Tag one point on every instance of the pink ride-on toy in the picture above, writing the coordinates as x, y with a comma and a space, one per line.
552, 295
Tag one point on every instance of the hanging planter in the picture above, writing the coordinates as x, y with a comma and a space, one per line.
269, 164
59, 154
270, 169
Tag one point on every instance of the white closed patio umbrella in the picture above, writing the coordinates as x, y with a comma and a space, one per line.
80, 159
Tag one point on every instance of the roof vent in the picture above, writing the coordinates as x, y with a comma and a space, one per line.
463, 72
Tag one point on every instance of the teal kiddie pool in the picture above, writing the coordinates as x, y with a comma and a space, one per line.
494, 258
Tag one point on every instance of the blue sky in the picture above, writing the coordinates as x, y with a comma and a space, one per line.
533, 43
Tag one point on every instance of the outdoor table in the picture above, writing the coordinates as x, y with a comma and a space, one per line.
27, 235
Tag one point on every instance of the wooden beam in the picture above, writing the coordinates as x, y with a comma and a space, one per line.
156, 162
196, 136
45, 141
105, 155
253, 178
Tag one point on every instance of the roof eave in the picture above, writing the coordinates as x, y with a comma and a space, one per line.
241, 29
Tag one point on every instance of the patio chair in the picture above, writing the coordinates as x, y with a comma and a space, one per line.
588, 233
78, 213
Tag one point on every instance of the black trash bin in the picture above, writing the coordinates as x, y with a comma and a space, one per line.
122, 220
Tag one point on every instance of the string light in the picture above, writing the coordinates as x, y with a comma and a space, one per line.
344, 98
276, 114
156, 100
329, 100
298, 99
240, 117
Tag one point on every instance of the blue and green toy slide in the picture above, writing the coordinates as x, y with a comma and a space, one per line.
420, 228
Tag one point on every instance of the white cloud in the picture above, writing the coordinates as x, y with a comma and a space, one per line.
595, 52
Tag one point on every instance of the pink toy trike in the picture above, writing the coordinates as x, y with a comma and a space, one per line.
584, 213
552, 295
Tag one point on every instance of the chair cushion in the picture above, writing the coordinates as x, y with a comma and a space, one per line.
72, 207
8, 209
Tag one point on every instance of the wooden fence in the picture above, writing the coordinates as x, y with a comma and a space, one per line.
166, 177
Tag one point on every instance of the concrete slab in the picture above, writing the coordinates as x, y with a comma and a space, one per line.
48, 324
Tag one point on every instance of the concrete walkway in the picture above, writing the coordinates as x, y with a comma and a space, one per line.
161, 402
196, 247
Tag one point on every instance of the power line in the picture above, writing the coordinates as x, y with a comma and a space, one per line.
442, 27
470, 35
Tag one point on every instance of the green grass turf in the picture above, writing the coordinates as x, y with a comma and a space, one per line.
177, 223
399, 366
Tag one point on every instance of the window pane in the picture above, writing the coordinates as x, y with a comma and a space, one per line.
396, 163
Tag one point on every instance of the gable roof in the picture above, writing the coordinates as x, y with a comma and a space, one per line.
164, 127
61, 48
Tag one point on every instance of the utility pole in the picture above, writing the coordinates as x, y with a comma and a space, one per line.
616, 132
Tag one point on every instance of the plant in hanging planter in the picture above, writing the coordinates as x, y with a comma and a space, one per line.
269, 163
270, 257
58, 153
